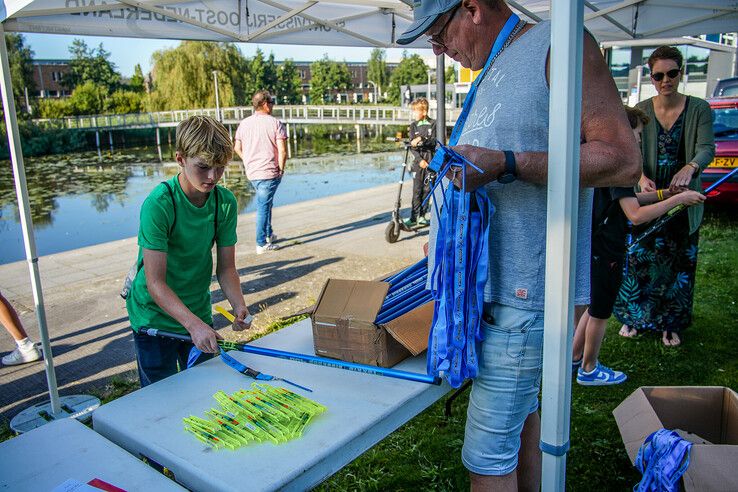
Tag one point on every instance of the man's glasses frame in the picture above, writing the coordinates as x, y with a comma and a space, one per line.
672, 74
437, 39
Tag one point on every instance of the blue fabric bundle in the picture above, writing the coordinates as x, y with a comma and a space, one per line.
662, 459
407, 291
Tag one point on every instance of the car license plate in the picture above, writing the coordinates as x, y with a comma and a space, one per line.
724, 162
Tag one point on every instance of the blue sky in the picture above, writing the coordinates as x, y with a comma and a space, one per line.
127, 52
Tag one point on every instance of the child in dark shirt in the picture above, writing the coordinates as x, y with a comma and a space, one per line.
422, 134
613, 209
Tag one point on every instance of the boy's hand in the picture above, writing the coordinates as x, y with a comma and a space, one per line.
205, 338
423, 164
646, 184
416, 141
691, 197
243, 319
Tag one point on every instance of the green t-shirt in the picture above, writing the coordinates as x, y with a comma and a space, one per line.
189, 252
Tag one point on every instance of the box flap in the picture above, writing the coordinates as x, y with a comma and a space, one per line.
711, 468
412, 329
636, 420
351, 299
730, 417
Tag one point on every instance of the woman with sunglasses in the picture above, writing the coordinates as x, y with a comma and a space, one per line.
677, 145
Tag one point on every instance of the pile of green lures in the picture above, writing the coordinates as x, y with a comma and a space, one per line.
263, 413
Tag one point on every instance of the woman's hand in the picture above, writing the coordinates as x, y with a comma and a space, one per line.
690, 197
681, 179
646, 184
243, 319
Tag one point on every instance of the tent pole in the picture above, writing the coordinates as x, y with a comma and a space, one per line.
561, 232
440, 98
21, 191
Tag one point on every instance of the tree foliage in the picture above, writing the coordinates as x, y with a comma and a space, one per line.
20, 58
327, 77
411, 70
183, 76
136, 83
289, 83
450, 74
91, 65
377, 70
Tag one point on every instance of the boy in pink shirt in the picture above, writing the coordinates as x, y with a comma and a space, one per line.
261, 142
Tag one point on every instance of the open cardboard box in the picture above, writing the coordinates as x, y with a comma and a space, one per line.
707, 416
343, 325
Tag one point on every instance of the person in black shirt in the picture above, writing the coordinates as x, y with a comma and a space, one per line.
422, 135
614, 208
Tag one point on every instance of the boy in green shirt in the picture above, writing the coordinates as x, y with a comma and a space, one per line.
181, 220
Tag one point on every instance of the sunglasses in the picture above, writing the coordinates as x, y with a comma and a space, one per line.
672, 74
437, 39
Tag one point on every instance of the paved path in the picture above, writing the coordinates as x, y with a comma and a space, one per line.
340, 236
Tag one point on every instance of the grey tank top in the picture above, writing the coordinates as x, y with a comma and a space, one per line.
510, 112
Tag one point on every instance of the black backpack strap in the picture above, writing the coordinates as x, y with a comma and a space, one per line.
174, 205
215, 231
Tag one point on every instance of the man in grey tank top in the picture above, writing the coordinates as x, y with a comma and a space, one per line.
510, 113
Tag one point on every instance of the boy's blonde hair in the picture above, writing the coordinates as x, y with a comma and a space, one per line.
205, 138
635, 115
420, 103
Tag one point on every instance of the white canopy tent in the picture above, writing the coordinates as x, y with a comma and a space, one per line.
377, 23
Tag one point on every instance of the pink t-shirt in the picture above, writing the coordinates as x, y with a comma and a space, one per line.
258, 135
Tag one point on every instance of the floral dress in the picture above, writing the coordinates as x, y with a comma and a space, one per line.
658, 284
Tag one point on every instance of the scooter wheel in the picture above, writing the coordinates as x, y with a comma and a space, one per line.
392, 232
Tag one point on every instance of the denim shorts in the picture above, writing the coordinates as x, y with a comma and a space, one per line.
506, 389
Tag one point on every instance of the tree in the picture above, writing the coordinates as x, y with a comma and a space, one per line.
88, 98
137, 81
122, 102
183, 76
327, 76
289, 83
20, 58
411, 70
91, 65
377, 69
450, 74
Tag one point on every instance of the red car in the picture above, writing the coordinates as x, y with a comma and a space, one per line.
725, 126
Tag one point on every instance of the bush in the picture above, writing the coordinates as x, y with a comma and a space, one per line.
53, 108
122, 102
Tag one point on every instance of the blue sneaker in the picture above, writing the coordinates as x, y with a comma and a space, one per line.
600, 376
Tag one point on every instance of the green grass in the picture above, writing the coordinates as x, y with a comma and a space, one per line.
425, 453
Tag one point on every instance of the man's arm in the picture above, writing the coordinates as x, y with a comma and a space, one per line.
229, 282
238, 148
609, 154
203, 336
281, 153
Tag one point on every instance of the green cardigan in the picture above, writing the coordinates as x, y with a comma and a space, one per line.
699, 146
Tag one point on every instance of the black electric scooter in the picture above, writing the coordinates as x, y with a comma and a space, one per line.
392, 231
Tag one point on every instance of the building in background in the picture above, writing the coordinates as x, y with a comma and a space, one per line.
48, 75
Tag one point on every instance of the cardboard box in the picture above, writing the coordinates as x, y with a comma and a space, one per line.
707, 416
343, 325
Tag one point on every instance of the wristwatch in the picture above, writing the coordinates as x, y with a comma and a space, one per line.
510, 173
694, 165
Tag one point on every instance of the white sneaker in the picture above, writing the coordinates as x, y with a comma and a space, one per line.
267, 247
271, 239
19, 356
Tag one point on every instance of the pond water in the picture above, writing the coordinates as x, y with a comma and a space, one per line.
77, 202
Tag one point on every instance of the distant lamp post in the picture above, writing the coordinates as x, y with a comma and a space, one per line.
430, 72
376, 91
217, 97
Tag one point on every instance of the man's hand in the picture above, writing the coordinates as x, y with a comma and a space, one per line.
423, 164
243, 319
205, 338
491, 162
646, 184
681, 179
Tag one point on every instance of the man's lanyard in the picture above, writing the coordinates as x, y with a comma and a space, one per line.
497, 47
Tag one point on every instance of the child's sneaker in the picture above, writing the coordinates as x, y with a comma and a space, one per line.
266, 248
271, 239
19, 356
423, 221
600, 376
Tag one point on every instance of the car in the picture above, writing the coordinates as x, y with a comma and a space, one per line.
726, 88
725, 127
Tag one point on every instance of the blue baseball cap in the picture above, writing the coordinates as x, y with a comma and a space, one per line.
426, 12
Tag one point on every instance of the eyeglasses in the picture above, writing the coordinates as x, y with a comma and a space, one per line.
672, 74
436, 39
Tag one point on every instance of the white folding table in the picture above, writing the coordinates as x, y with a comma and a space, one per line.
362, 410
44, 458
